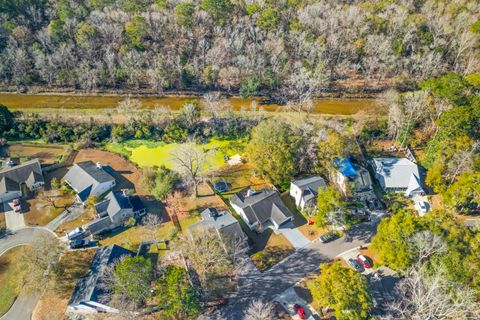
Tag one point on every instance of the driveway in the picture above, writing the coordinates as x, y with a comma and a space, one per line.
69, 214
352, 254
293, 235
13, 220
286, 274
289, 298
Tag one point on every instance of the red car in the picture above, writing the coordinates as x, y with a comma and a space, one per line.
299, 311
364, 261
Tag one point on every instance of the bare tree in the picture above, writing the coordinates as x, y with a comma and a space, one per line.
191, 162
426, 244
152, 222
424, 297
259, 310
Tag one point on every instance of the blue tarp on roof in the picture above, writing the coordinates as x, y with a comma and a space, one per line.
345, 167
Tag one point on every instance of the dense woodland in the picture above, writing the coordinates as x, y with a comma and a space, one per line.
287, 48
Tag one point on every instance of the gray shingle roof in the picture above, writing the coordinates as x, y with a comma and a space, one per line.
262, 206
313, 183
84, 176
29, 172
89, 288
115, 201
222, 221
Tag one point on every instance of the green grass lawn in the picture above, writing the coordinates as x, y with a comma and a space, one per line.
11, 274
149, 153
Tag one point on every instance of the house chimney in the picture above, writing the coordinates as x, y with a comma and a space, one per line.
125, 193
99, 166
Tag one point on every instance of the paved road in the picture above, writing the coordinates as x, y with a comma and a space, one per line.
23, 307
287, 273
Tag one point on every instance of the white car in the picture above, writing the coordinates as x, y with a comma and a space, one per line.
421, 207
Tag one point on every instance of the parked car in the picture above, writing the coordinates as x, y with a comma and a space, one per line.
299, 311
364, 261
421, 206
329, 236
75, 244
76, 233
356, 265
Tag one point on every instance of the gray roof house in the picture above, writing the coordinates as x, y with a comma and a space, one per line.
305, 191
398, 175
261, 209
89, 179
113, 210
19, 179
89, 293
226, 226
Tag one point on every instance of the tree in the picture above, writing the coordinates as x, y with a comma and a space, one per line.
273, 150
331, 146
250, 87
135, 30
260, 310
191, 163
330, 207
219, 9
464, 194
133, 278
159, 181
268, 19
42, 263
54, 183
392, 241
190, 113
6, 119
343, 289
178, 298
152, 222
424, 296
184, 12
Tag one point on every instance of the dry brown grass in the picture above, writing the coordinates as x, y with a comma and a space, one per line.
53, 303
40, 212
47, 154
276, 249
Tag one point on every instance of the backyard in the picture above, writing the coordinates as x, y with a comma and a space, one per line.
46, 153
148, 153
11, 273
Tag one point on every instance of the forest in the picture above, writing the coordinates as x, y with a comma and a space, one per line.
287, 49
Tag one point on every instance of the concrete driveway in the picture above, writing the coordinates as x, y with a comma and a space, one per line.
352, 254
289, 298
293, 235
13, 220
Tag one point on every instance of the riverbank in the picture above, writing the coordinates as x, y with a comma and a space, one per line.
45, 102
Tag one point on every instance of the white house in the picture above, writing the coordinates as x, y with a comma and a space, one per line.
261, 209
398, 175
89, 291
15, 182
305, 191
89, 179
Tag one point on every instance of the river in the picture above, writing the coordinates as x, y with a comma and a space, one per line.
32, 102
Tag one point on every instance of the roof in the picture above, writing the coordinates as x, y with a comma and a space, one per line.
89, 288
261, 206
30, 172
99, 224
413, 185
115, 201
222, 221
395, 172
84, 176
345, 167
310, 186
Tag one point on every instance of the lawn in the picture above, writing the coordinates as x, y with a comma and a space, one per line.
239, 177
148, 153
40, 212
53, 303
86, 217
131, 238
46, 153
11, 273
276, 248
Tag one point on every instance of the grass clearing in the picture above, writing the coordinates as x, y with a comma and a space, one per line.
46, 153
40, 212
276, 249
149, 153
11, 274
53, 303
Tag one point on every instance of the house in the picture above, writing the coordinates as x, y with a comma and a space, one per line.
90, 292
113, 210
305, 191
17, 181
89, 179
261, 209
398, 175
224, 224
352, 177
